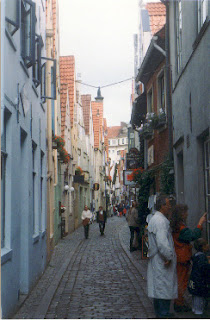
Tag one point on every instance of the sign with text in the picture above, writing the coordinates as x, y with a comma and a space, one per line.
128, 178
133, 159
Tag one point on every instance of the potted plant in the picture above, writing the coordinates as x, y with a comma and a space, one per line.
78, 171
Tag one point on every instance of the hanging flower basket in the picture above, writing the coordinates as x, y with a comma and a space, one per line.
78, 171
63, 155
59, 141
147, 131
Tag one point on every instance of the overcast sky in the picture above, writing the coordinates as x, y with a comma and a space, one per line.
99, 33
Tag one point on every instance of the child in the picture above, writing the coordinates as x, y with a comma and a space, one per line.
199, 278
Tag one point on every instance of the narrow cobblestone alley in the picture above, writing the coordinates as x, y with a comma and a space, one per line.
94, 278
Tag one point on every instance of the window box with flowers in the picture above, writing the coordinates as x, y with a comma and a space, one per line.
63, 155
59, 141
146, 131
155, 120
78, 171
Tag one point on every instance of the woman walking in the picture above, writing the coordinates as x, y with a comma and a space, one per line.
132, 219
86, 216
182, 237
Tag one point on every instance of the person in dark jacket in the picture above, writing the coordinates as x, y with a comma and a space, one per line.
199, 281
182, 237
101, 219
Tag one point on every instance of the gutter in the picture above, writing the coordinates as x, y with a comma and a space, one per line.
152, 45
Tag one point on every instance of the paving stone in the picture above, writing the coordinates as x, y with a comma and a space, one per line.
100, 279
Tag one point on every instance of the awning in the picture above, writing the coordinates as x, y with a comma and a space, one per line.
139, 110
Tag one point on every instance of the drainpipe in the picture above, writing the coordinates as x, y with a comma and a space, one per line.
168, 82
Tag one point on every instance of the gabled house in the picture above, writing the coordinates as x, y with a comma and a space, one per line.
153, 126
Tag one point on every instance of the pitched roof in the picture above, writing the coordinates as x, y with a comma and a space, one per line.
67, 77
86, 105
113, 132
63, 102
106, 141
157, 15
97, 112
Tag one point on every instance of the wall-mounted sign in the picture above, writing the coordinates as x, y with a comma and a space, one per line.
128, 178
96, 186
133, 159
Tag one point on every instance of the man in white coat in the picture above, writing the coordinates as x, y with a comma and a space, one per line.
161, 273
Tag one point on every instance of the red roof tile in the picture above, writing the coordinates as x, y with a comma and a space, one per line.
113, 132
86, 105
157, 15
67, 77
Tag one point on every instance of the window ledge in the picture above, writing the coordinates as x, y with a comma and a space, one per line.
6, 255
11, 40
24, 68
35, 238
35, 90
43, 233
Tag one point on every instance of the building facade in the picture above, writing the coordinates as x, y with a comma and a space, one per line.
189, 43
23, 150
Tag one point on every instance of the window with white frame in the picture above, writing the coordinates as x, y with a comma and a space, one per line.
178, 12
202, 12
34, 189
12, 16
207, 182
161, 92
109, 142
114, 142
150, 107
3, 182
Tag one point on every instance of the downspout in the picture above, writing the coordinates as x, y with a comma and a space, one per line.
168, 82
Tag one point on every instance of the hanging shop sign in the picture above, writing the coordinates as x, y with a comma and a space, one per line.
133, 159
128, 178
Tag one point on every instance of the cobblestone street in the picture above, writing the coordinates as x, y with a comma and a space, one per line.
93, 278
97, 278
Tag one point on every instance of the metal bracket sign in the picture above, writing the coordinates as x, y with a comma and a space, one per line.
128, 178
133, 159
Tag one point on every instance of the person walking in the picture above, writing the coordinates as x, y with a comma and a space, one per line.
101, 219
182, 237
86, 216
132, 219
161, 272
200, 277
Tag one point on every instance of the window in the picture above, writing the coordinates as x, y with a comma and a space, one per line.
42, 191
161, 92
150, 107
123, 141
12, 16
3, 181
34, 189
37, 70
113, 142
112, 151
28, 21
207, 182
109, 142
118, 141
202, 12
118, 152
178, 12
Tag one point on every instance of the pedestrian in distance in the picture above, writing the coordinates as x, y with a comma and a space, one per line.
86, 216
161, 272
132, 219
199, 282
101, 218
182, 237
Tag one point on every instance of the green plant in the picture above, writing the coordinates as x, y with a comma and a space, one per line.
145, 181
167, 177
59, 140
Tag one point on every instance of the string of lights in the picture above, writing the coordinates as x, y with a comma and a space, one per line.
92, 86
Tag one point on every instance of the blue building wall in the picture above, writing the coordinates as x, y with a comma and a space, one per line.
23, 252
